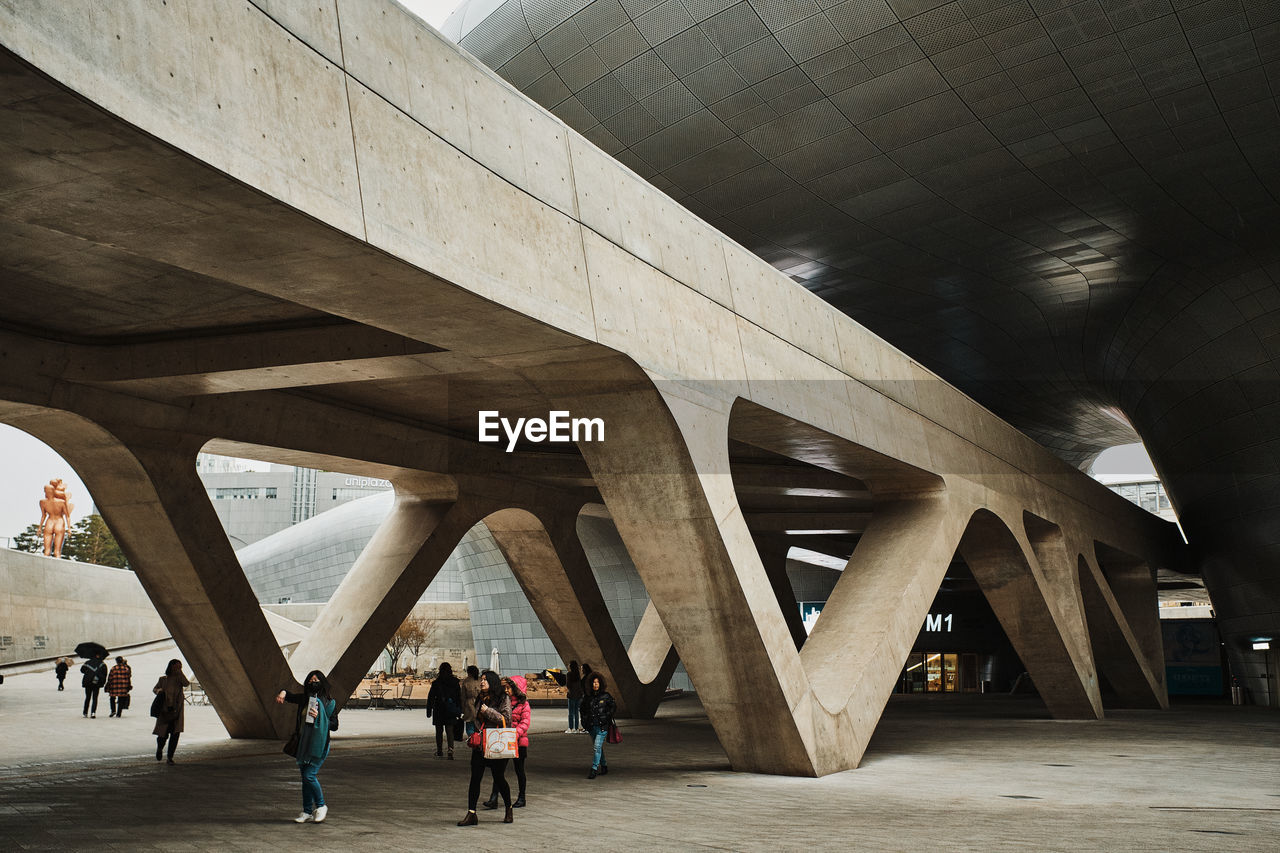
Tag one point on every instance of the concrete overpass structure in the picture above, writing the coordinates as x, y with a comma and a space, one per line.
1067, 209
326, 236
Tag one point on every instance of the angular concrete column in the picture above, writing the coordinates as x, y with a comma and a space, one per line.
387, 579
144, 484
871, 619
773, 554
188, 567
663, 472
1045, 638
1133, 585
551, 567
652, 654
1137, 681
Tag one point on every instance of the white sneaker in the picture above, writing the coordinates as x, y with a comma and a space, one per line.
320, 814
569, 731
303, 817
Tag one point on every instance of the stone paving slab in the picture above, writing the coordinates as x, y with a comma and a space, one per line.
966, 774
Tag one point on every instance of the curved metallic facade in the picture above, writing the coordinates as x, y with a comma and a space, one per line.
1069, 210
306, 562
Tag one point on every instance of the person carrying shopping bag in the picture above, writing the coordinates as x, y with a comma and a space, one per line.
521, 717
493, 708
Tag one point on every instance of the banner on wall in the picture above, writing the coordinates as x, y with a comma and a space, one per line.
1193, 657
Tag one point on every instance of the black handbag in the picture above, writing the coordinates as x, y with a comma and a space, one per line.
291, 745
122, 702
157, 705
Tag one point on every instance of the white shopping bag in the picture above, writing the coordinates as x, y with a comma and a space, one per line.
501, 743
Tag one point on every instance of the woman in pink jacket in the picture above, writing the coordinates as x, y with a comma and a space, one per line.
521, 717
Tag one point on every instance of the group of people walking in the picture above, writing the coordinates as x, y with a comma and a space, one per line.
94, 676
457, 708
168, 706
461, 708
464, 709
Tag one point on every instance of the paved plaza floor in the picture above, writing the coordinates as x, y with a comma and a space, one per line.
988, 773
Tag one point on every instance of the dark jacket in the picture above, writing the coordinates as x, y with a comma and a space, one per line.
313, 739
574, 685
95, 673
61, 669
444, 700
498, 716
597, 711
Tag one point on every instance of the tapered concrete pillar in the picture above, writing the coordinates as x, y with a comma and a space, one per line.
190, 571
1047, 637
664, 475
144, 484
773, 554
1133, 585
387, 579
871, 619
551, 566
1136, 680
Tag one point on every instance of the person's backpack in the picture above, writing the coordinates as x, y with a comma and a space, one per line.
96, 676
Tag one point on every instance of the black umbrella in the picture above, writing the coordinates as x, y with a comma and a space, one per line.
91, 650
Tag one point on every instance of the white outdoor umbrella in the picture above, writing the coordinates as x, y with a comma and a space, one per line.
493, 661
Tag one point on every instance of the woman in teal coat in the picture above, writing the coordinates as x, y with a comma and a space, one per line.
315, 709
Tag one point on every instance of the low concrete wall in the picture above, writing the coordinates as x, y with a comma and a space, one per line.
48, 605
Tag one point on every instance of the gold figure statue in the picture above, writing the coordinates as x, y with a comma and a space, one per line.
55, 516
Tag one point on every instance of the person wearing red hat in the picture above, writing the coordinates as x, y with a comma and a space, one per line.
521, 717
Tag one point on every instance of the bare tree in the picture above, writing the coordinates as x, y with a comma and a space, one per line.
421, 631
413, 635
398, 643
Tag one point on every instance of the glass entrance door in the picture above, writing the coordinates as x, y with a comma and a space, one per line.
945, 672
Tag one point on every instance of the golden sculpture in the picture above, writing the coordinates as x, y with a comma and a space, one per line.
55, 516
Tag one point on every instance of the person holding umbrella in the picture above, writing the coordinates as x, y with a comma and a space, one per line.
93, 675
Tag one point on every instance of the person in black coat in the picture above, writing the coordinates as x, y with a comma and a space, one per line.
94, 672
60, 670
444, 706
597, 715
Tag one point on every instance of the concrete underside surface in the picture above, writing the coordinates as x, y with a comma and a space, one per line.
967, 773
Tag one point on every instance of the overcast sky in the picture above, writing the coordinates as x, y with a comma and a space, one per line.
28, 464
434, 12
